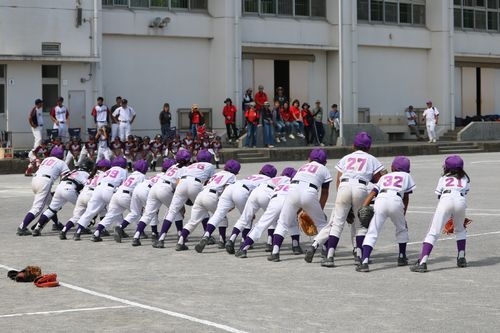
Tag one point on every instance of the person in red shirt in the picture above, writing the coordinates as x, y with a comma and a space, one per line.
229, 113
308, 119
296, 118
252, 119
260, 98
195, 119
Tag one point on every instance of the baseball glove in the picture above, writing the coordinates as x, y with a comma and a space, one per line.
449, 227
365, 215
307, 224
28, 274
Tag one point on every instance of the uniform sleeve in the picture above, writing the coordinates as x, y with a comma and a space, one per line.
440, 185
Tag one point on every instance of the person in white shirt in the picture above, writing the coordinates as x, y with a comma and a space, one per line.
411, 118
125, 116
431, 116
100, 113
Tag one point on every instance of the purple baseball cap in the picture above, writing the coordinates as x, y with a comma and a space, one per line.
57, 152
318, 155
232, 166
454, 162
141, 166
363, 140
119, 161
268, 170
401, 163
167, 163
289, 172
204, 156
182, 156
104, 164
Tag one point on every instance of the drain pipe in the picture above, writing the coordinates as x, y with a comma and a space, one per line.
237, 58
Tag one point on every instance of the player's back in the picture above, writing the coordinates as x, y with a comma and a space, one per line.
200, 170
359, 165
314, 173
52, 167
114, 176
220, 179
251, 182
397, 181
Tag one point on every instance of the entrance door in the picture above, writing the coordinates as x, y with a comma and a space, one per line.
77, 113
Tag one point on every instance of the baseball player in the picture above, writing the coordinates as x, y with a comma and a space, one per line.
60, 115
160, 194
130, 150
74, 149
431, 117
84, 197
354, 172
206, 201
67, 191
258, 199
117, 147
392, 196
124, 115
51, 168
110, 181
192, 180
310, 179
157, 147
100, 113
235, 195
36, 156
103, 151
451, 190
88, 150
270, 217
121, 199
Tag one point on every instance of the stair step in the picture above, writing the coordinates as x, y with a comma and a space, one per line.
254, 159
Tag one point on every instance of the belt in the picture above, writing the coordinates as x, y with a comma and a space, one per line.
150, 185
91, 188
212, 191
274, 196
391, 191
61, 122
123, 121
108, 184
167, 182
46, 176
125, 191
70, 183
245, 187
271, 187
361, 181
310, 184
451, 191
195, 179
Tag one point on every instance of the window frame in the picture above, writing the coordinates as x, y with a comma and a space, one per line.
376, 12
316, 9
48, 81
152, 4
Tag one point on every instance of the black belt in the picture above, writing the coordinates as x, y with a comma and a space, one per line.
108, 184
126, 191
245, 187
47, 176
450, 191
167, 182
212, 191
389, 191
123, 121
61, 122
310, 184
70, 182
274, 196
150, 185
195, 179
361, 181
91, 188
271, 187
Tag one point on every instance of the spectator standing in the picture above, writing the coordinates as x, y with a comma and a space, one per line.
60, 116
308, 121
247, 98
36, 122
280, 96
318, 122
114, 123
411, 118
267, 123
431, 117
195, 120
334, 124
165, 121
260, 98
100, 112
229, 113
124, 115
252, 120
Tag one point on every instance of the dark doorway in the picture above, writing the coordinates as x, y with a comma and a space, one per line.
282, 76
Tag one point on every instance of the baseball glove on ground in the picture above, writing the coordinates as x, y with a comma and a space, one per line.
350, 216
365, 215
28, 274
307, 224
449, 227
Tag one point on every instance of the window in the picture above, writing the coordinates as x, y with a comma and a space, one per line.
298, 8
50, 85
157, 4
392, 11
2, 88
478, 15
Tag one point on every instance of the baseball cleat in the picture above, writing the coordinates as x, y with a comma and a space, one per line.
159, 244
62, 235
221, 245
241, 254
154, 237
36, 232
310, 254
230, 247
201, 245
23, 232
181, 247
118, 234
363, 268
328, 262
274, 257
418, 267
57, 226
297, 250
96, 239
105, 233
136, 242
402, 261
211, 240
76, 236
269, 248
461, 262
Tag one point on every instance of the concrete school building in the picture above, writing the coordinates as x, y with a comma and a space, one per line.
372, 57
